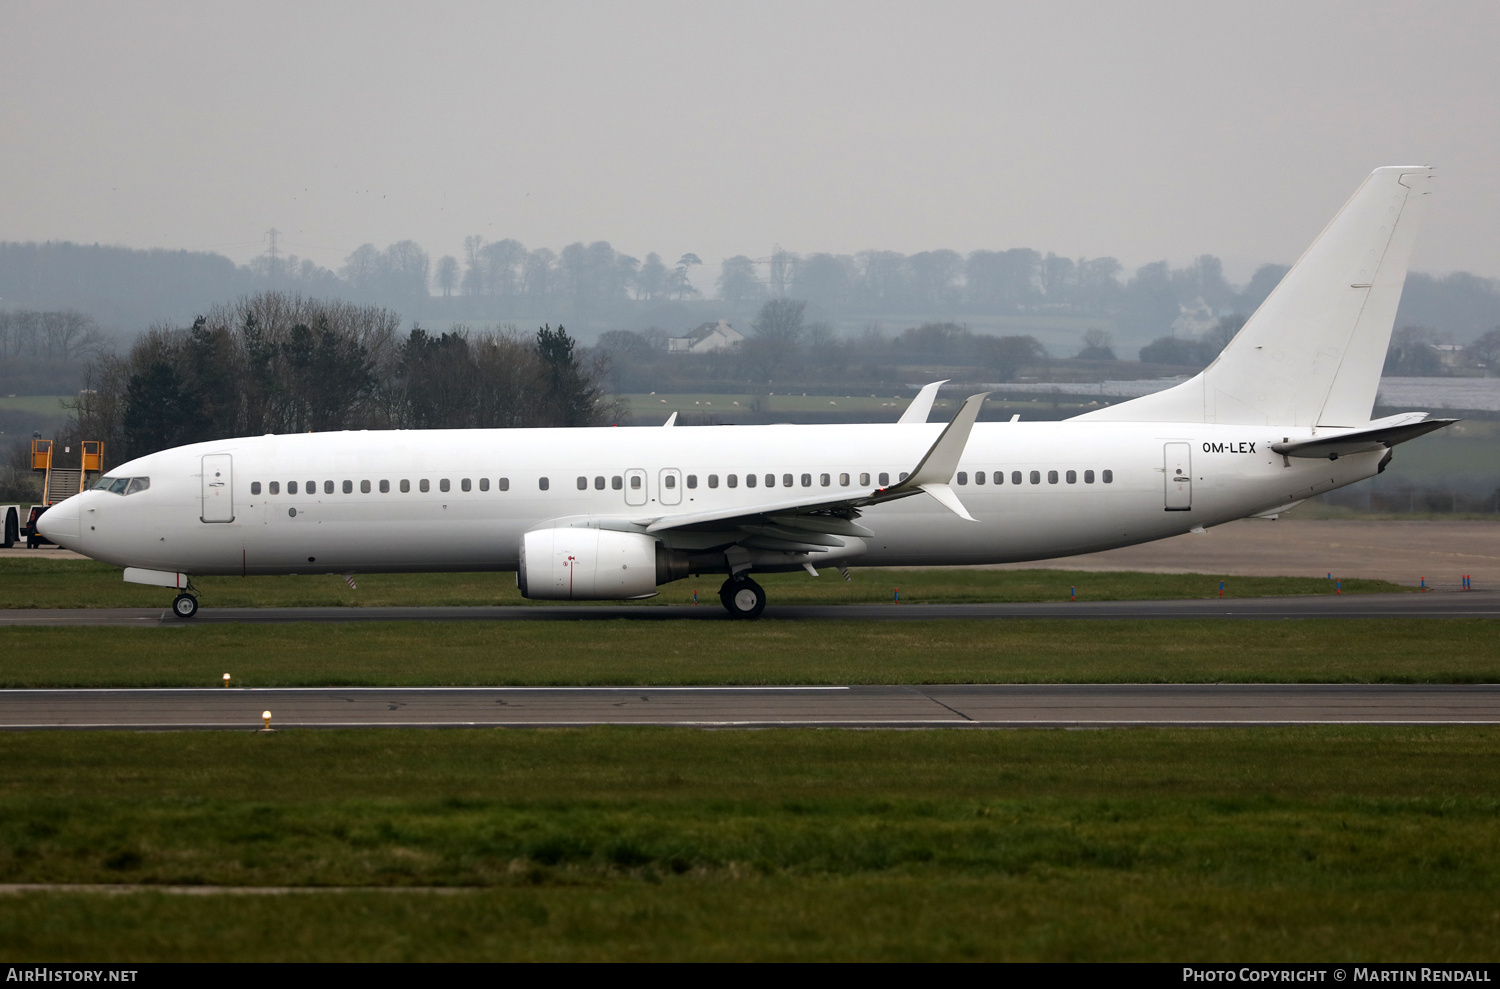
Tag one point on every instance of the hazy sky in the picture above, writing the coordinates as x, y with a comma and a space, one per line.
1140, 130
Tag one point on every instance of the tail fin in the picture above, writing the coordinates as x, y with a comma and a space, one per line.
1312, 353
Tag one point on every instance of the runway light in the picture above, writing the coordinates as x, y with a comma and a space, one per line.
226, 679
266, 717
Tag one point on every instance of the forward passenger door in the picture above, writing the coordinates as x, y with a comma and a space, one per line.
218, 488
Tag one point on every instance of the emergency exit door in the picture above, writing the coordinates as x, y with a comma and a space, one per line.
218, 488
1179, 477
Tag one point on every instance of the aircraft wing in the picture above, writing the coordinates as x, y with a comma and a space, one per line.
834, 516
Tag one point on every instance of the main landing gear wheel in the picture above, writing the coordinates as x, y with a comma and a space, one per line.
743, 597
185, 606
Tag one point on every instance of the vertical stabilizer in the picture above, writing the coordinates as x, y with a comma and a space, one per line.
1312, 353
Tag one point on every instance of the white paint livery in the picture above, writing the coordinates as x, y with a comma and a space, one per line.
1283, 414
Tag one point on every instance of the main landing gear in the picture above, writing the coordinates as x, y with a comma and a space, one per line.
185, 605
742, 597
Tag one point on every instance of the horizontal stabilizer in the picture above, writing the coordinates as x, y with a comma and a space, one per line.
1380, 437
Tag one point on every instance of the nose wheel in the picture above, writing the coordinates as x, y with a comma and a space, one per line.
742, 597
185, 605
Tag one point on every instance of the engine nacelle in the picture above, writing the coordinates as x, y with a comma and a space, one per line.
584, 564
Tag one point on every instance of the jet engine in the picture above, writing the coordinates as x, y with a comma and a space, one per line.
582, 564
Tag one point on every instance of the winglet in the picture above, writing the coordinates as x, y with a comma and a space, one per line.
920, 406
935, 471
671, 420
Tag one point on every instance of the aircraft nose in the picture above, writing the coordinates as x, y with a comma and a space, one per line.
59, 524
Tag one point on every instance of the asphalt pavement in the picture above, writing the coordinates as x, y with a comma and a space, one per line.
941, 706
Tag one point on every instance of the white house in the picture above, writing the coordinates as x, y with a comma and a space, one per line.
709, 336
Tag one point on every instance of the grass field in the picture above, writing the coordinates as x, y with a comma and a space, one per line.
628, 652
1362, 844
41, 405
32, 582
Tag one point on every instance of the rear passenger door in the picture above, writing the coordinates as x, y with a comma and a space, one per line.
1179, 477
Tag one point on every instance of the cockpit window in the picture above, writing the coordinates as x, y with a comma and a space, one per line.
122, 485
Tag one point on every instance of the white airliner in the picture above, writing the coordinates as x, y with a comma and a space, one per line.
1283, 414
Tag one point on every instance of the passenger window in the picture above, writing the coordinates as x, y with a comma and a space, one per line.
713, 480
424, 485
1088, 477
1109, 477
1015, 477
904, 475
963, 477
291, 487
598, 482
864, 480
443, 484
465, 485
583, 483
503, 484
884, 479
405, 486
617, 482
312, 487
1052, 477
328, 487
274, 487
770, 480
999, 477
733, 480
385, 487
807, 480
979, 477
786, 480
824, 480
635, 483
364, 487
254, 487
141, 484
348, 487
484, 484
749, 480
692, 480
1036, 477
843, 480
1072, 477
542, 483
671, 481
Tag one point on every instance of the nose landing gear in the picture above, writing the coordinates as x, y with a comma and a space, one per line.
185, 605
742, 597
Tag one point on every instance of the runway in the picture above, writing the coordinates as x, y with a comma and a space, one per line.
951, 706
1473, 604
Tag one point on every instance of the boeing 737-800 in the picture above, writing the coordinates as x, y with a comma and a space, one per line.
1283, 414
